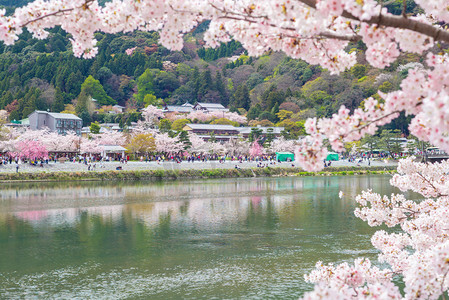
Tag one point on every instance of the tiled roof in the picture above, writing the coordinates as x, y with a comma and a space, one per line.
214, 105
59, 115
211, 105
176, 108
212, 127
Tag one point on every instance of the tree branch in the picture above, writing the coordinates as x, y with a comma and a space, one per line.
322, 35
437, 34
62, 11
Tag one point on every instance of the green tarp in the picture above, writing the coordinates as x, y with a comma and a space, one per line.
332, 156
285, 156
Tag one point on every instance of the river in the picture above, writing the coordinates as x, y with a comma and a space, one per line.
251, 238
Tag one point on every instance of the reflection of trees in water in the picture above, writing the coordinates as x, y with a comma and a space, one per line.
260, 216
135, 191
193, 206
147, 230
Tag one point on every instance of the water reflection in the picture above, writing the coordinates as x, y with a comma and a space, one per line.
233, 238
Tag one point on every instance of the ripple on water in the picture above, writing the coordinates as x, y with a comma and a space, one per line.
89, 282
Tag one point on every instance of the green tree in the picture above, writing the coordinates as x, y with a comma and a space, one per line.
179, 124
266, 115
164, 125
270, 137
370, 142
84, 104
142, 143
164, 84
184, 139
255, 134
95, 128
151, 99
241, 97
254, 112
224, 121
390, 141
144, 86
93, 88
58, 104
358, 71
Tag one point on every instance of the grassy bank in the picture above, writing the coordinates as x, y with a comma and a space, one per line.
187, 174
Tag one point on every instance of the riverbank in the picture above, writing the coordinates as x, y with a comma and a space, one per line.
167, 174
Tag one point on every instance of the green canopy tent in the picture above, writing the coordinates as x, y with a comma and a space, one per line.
332, 156
285, 156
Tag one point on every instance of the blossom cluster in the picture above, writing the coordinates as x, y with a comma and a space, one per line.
420, 253
315, 34
209, 116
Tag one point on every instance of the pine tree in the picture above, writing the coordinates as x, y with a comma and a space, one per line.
241, 97
184, 139
58, 104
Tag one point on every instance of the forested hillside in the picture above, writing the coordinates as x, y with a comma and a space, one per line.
133, 70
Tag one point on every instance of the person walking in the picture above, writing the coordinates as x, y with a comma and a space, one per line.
17, 167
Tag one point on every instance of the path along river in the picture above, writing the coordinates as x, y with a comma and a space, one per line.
249, 238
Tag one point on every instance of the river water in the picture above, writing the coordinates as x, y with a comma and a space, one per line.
249, 238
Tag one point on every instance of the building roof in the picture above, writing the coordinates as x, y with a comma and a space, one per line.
58, 115
118, 106
212, 127
218, 105
170, 108
211, 106
247, 130
187, 104
64, 116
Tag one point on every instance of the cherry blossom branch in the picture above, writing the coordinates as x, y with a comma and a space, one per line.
56, 13
322, 35
438, 34
241, 17
431, 184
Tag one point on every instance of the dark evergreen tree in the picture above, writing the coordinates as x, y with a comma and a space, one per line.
58, 105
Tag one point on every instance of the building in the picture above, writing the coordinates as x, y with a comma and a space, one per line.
226, 132
180, 109
210, 107
21, 124
119, 109
206, 131
60, 123
113, 151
